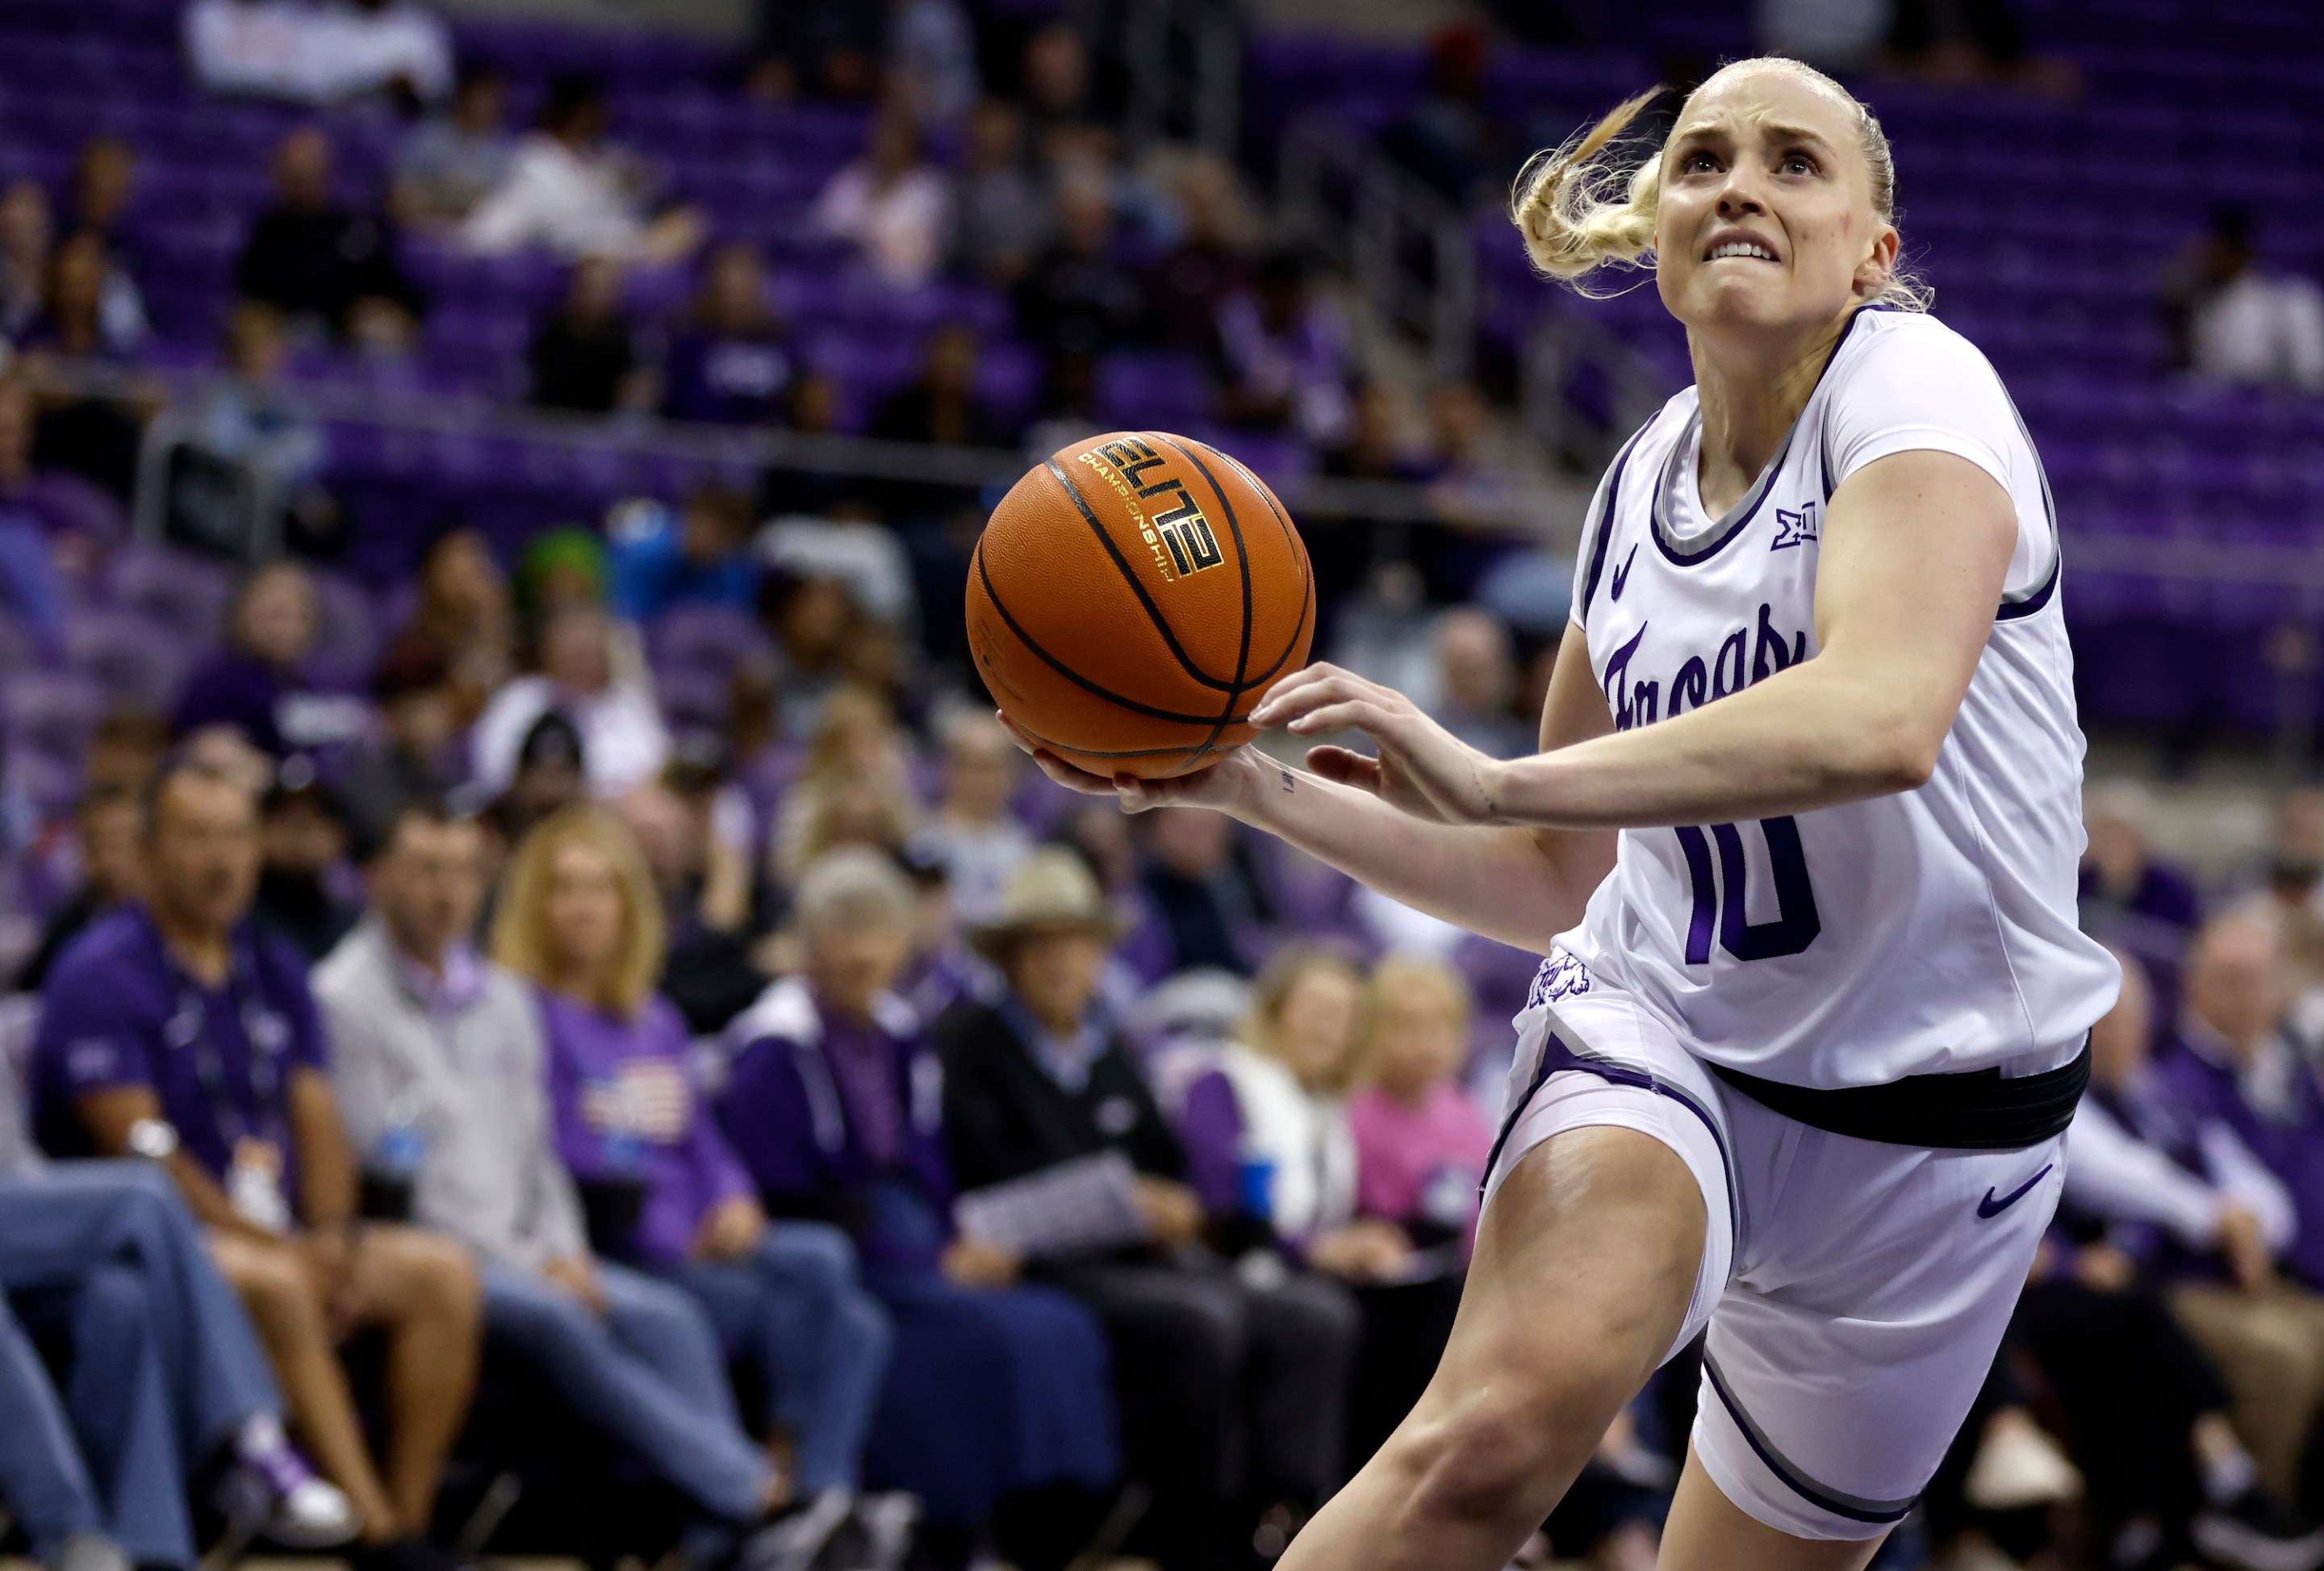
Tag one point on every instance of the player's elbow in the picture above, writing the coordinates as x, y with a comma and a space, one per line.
1895, 751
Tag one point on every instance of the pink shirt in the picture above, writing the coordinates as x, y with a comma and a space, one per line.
1419, 1164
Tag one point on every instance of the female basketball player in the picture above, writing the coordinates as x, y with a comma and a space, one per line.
1800, 847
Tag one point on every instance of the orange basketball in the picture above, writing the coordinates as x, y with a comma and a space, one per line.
1132, 599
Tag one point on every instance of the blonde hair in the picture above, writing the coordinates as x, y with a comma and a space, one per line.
1261, 1029
521, 925
1399, 976
1579, 212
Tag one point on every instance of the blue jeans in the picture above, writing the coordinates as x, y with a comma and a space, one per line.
822, 1342
648, 1374
165, 1365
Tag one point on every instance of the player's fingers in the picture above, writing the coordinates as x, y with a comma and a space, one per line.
1141, 795
1294, 691
1348, 714
1346, 767
1072, 779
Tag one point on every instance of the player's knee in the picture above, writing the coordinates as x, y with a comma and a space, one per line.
1492, 1457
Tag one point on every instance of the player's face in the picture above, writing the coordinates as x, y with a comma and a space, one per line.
1765, 215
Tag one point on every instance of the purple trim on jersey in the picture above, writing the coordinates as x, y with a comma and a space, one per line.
1852, 1507
1765, 485
1706, 893
1606, 517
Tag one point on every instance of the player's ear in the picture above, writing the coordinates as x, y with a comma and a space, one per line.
1879, 263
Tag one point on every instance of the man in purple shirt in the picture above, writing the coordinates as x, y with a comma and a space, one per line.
177, 1030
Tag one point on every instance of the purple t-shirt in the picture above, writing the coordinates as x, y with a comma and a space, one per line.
626, 1100
118, 1011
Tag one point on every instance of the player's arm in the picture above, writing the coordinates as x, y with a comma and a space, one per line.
1916, 549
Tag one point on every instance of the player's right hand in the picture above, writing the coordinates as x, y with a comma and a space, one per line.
1224, 785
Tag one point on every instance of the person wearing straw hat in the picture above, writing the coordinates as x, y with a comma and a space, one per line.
1208, 1365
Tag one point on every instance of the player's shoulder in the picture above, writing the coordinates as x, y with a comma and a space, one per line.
1888, 350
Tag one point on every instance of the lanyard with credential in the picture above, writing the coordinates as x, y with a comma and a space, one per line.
191, 1028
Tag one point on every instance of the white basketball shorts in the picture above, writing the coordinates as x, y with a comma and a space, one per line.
1855, 1291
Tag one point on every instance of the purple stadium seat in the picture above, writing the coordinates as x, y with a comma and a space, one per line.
50, 713
185, 593
134, 659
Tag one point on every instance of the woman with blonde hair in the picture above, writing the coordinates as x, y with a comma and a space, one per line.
580, 918
1819, 590
1420, 1141
854, 788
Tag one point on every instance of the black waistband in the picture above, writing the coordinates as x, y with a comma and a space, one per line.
1979, 1110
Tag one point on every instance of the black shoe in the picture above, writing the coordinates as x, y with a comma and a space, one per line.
2253, 1533
406, 1555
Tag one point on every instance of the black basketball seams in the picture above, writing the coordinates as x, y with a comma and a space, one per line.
1242, 562
1298, 549
1074, 676
1130, 575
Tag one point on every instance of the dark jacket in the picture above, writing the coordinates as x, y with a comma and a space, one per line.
1005, 1115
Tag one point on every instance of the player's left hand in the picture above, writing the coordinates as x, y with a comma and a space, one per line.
1421, 768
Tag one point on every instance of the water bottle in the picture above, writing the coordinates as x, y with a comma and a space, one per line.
1256, 1177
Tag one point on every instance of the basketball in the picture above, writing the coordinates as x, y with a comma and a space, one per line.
1132, 599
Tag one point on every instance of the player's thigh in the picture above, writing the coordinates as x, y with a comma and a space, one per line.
1706, 1531
400, 1273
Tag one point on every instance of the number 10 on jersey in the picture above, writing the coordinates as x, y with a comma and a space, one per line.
1795, 924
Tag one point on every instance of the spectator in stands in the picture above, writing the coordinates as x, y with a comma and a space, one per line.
432, 1039
943, 407
109, 836
1056, 83
419, 718
464, 615
705, 885
1104, 841
931, 60
582, 357
1209, 264
1199, 894
1209, 1364
823, 49
452, 161
622, 738
972, 833
1476, 677
125, 750
166, 1381
104, 181
55, 526
854, 785
1420, 1141
581, 919
730, 361
27, 232
253, 687
1284, 355
699, 556
74, 318
892, 206
2130, 897
178, 1029
2228, 1071
1451, 139
95, 434
811, 619
2232, 322
303, 830
2161, 1451
1080, 298
319, 54
1001, 216
1370, 450
569, 191
833, 1106
551, 775
326, 266
250, 424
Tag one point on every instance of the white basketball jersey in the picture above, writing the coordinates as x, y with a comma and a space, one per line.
1925, 932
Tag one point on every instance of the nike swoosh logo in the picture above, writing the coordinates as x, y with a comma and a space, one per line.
1622, 573
1989, 1206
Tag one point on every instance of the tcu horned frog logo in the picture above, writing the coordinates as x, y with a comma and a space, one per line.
1180, 538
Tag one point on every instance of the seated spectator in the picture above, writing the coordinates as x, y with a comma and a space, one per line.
1201, 898
1451, 139
812, 619
2130, 897
2165, 1464
1101, 833
178, 1029
1208, 1364
1000, 214
166, 1385
1372, 451
972, 833
1420, 1141
326, 266
104, 181
931, 60
622, 739
252, 429
1067, 414
464, 615
568, 191
892, 206
1210, 262
833, 1105
582, 921
74, 318
2227, 1073
432, 1039
302, 875
698, 555
253, 687
419, 718
1285, 356
550, 777
943, 407
729, 363
582, 357
96, 433
860, 758
1476, 679
107, 831
821, 48
55, 526
872, 562
450, 162
319, 54
27, 233
705, 885
1055, 77
1269, 1143
2229, 321
1079, 296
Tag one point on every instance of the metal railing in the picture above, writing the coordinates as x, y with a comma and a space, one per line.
1408, 249
1566, 345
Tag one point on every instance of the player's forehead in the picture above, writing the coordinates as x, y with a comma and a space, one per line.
1765, 99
